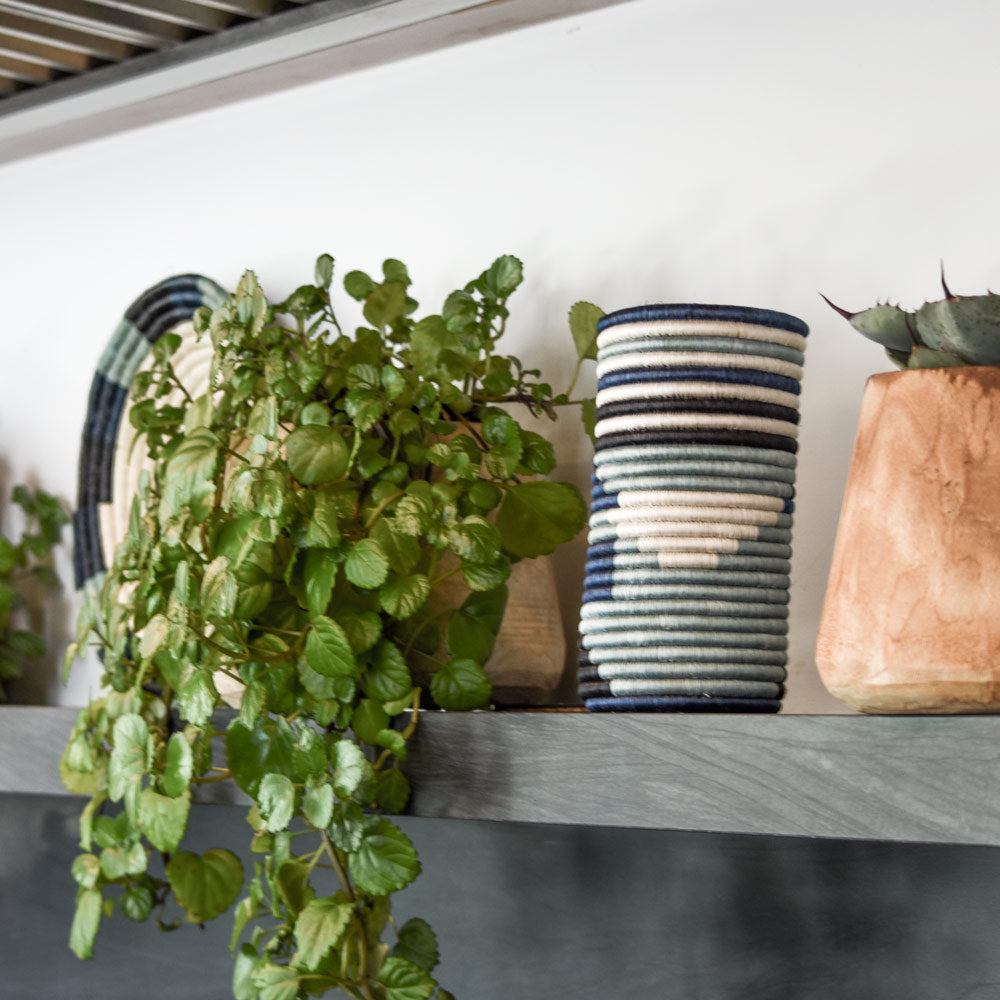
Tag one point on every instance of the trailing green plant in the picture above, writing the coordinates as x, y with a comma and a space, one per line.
24, 564
956, 330
297, 521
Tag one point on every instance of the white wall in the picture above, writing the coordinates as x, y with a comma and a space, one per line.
661, 150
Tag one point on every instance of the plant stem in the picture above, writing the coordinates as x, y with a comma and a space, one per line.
576, 374
338, 867
376, 513
198, 780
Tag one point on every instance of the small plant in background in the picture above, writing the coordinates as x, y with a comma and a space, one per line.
298, 520
956, 330
23, 565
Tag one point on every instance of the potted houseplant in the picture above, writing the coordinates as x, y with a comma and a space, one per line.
909, 621
24, 567
299, 518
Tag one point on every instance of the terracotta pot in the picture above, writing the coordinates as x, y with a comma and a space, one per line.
910, 623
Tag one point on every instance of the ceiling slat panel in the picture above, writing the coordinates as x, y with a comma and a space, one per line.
105, 20
182, 12
21, 69
42, 41
50, 55
72, 38
245, 8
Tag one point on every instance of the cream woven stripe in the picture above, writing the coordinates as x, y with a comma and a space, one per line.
698, 328
694, 421
648, 498
720, 688
706, 359
691, 543
695, 543
698, 390
191, 363
680, 512
656, 529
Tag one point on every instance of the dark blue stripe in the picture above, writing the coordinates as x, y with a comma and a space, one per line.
604, 503
732, 376
165, 305
729, 407
753, 439
695, 310
87, 558
104, 408
601, 549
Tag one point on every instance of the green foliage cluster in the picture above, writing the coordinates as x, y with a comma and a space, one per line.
22, 564
299, 518
954, 331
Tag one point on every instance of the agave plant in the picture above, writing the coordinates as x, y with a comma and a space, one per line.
957, 330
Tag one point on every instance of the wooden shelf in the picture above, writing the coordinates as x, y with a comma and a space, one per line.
922, 779
853, 777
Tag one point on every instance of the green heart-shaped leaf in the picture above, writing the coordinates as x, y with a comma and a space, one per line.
386, 860
205, 884
535, 517
461, 685
319, 927
316, 454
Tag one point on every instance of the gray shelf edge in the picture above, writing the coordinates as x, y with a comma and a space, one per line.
917, 779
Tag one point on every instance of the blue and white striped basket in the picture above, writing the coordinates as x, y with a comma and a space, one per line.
686, 587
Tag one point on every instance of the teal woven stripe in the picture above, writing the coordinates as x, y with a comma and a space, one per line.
123, 355
212, 294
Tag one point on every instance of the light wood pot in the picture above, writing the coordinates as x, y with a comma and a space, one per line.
911, 621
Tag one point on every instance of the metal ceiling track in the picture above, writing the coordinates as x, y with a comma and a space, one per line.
77, 70
44, 42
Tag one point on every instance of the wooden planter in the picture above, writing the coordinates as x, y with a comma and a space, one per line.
911, 621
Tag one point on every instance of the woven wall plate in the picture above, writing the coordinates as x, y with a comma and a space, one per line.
109, 468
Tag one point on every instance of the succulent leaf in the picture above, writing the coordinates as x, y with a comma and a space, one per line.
927, 357
944, 284
968, 326
887, 325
